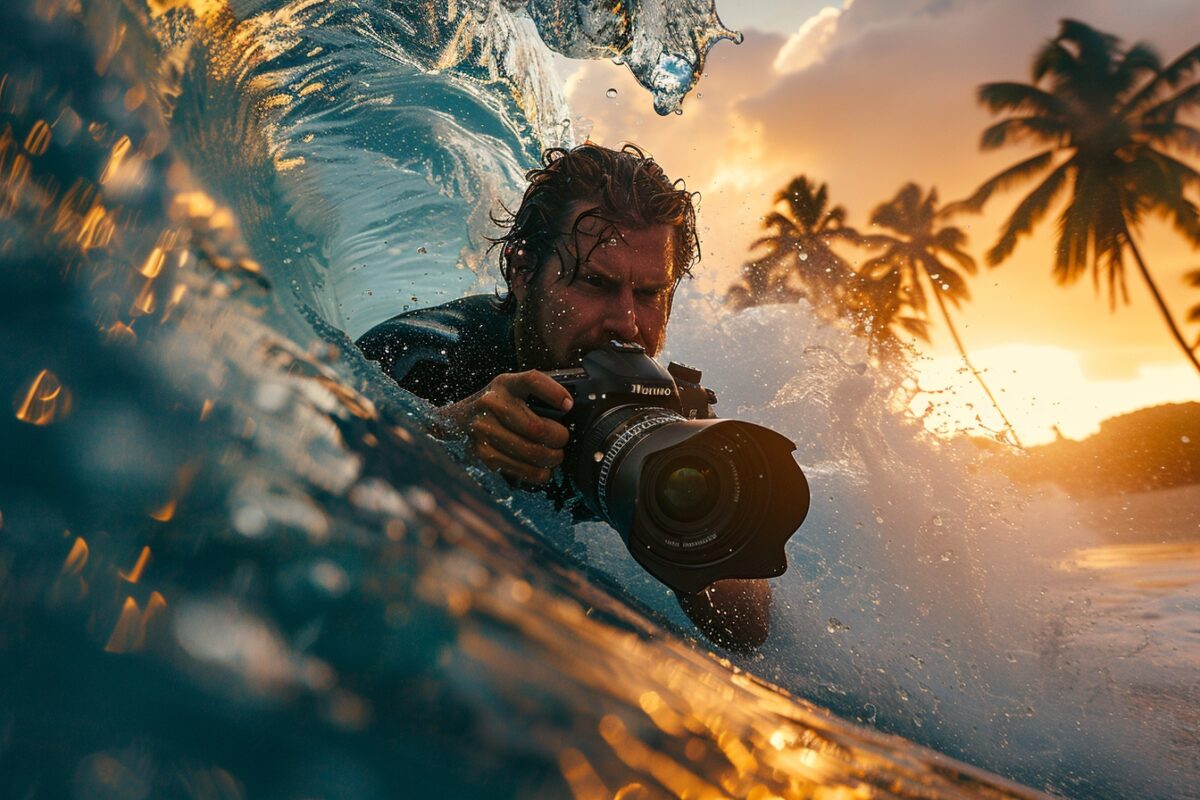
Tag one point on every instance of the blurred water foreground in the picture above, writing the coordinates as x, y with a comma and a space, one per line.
232, 565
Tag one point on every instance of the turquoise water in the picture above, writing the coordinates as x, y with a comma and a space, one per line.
231, 565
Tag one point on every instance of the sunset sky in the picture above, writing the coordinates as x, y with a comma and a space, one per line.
877, 93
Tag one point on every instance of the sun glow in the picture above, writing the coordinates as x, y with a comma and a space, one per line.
1041, 389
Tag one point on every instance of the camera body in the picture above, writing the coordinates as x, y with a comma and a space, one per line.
621, 374
696, 499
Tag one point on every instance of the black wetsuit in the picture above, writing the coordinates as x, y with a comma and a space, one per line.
446, 352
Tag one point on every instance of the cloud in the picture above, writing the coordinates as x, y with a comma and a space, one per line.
808, 45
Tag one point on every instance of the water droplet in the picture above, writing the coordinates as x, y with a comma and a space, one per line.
835, 625
422, 250
678, 111
937, 520
948, 555
611, 93
1185, 439
803, 256
597, 456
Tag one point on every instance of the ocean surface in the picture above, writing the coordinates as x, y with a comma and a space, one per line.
232, 564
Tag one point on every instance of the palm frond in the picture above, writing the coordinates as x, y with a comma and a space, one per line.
833, 219
1095, 48
945, 280
917, 327
874, 240
949, 238
1158, 187
1175, 135
899, 212
1169, 77
1073, 253
774, 243
1017, 173
1167, 109
1047, 130
1028, 213
1021, 98
963, 258
1052, 59
1111, 247
876, 268
1137, 60
1187, 175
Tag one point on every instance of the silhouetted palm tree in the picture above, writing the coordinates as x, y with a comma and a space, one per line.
798, 261
1107, 119
1193, 278
873, 304
915, 256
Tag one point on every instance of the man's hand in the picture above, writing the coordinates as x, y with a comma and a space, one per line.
504, 433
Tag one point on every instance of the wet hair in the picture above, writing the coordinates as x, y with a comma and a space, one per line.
626, 187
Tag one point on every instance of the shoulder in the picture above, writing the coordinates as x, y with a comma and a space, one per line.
439, 352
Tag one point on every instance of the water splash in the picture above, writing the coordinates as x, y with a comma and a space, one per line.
663, 44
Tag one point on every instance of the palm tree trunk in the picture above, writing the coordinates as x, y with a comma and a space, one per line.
962, 351
1162, 304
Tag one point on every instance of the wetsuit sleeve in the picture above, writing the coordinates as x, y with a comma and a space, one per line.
445, 353
413, 354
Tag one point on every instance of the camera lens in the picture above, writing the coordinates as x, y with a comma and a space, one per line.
687, 489
696, 499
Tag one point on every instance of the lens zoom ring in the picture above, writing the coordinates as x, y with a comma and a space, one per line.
630, 434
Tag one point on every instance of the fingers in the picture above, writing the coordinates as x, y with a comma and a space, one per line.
505, 398
485, 428
506, 435
541, 386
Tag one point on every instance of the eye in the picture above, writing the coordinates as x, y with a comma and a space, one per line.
592, 279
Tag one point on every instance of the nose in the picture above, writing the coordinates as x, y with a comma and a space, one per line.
621, 320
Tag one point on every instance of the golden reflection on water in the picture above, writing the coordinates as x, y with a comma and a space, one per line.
43, 401
134, 575
129, 633
676, 722
77, 558
1153, 568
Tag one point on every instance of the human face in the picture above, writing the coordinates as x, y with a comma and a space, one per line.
621, 291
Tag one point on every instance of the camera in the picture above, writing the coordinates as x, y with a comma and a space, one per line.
696, 499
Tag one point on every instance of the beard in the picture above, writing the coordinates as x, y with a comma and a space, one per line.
532, 333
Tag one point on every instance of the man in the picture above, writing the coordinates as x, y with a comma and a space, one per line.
594, 252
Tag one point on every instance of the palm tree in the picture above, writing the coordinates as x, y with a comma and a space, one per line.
915, 254
1193, 279
1106, 119
798, 261
873, 305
